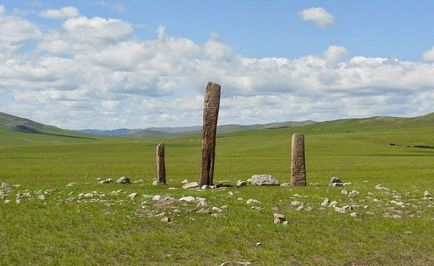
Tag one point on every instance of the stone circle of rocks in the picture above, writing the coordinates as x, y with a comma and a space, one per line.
263, 180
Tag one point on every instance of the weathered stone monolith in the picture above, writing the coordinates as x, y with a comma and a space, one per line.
298, 166
210, 116
161, 165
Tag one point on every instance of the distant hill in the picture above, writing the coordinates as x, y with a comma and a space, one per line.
172, 131
10, 124
14, 128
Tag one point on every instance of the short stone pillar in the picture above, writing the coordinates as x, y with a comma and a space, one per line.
298, 164
209, 130
161, 165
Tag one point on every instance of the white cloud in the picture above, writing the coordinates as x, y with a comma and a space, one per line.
96, 69
2, 9
91, 29
113, 5
61, 13
428, 55
334, 53
319, 16
15, 31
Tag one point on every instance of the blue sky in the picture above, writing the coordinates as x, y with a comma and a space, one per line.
113, 63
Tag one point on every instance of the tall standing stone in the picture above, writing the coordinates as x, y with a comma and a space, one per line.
210, 116
161, 165
298, 165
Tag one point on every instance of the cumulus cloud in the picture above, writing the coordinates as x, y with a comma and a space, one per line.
16, 31
96, 69
319, 16
113, 5
428, 55
61, 13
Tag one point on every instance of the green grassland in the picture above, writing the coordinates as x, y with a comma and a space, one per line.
111, 229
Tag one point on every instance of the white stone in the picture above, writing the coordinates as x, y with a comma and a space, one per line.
190, 185
253, 202
188, 199
41, 197
295, 203
381, 187
353, 194
264, 180
325, 202
132, 196
216, 209
156, 198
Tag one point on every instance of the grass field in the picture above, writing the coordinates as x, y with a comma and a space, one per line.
111, 229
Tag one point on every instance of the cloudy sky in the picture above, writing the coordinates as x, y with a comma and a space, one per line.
110, 64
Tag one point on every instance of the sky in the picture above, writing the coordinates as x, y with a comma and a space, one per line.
109, 64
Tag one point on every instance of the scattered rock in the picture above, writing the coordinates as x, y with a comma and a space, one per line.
264, 180
204, 187
333, 204
41, 197
88, 195
241, 183
258, 244
203, 211
216, 210
106, 181
381, 187
223, 183
284, 185
6, 187
279, 218
71, 184
253, 202
255, 208
185, 181
230, 193
124, 180
156, 198
344, 192
353, 214
344, 209
155, 183
335, 182
190, 185
171, 188
7, 201
240, 199
296, 203
188, 199
132, 196
308, 209
398, 203
201, 204
325, 202
353, 194
166, 219
427, 195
